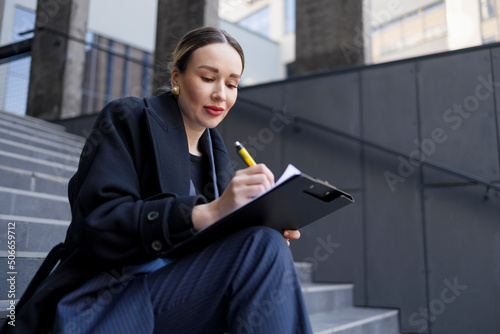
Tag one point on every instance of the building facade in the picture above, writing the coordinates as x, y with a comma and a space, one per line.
394, 29
120, 54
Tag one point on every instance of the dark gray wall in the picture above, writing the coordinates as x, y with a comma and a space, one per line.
426, 242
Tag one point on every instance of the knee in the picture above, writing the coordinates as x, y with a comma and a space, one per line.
267, 240
267, 248
265, 235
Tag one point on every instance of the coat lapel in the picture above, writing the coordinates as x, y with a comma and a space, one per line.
170, 144
223, 164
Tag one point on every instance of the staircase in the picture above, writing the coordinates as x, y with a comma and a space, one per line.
331, 309
37, 159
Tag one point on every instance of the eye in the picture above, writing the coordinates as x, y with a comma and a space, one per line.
232, 86
206, 79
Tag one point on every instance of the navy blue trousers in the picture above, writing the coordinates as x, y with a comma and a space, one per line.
245, 283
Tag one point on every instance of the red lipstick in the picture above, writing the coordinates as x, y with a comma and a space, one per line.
214, 110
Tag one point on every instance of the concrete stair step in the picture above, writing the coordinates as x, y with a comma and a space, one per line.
32, 121
356, 320
4, 304
331, 310
304, 271
33, 181
35, 152
320, 297
23, 131
39, 128
25, 268
65, 147
36, 165
34, 235
35, 204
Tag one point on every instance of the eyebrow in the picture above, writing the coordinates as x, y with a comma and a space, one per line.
215, 70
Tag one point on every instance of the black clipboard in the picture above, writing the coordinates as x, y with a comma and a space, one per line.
292, 203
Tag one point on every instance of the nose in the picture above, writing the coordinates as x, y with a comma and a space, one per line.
219, 93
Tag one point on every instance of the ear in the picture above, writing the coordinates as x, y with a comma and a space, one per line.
174, 79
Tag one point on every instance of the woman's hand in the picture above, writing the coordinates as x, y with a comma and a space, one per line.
245, 184
291, 234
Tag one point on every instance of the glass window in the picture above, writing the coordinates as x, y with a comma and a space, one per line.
17, 72
487, 9
289, 16
435, 21
258, 22
24, 20
409, 31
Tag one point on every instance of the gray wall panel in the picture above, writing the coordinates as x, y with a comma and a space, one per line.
324, 155
269, 95
332, 101
338, 161
457, 82
334, 246
390, 106
495, 60
463, 233
254, 129
395, 257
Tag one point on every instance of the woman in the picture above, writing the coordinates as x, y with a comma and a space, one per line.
153, 172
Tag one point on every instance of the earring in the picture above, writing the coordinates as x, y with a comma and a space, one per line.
176, 90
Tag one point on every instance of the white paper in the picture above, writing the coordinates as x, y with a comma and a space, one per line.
290, 171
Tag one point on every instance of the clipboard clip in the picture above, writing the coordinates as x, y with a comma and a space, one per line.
322, 192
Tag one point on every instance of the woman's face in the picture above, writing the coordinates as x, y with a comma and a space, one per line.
208, 87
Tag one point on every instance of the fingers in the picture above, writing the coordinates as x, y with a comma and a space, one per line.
259, 169
291, 234
253, 180
255, 184
245, 184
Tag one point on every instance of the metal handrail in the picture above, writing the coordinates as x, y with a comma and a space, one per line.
432, 164
15, 50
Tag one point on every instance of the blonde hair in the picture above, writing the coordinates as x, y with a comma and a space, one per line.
198, 38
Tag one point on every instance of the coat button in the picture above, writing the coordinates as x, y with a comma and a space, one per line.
153, 215
157, 245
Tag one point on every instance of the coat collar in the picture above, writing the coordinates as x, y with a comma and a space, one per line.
170, 145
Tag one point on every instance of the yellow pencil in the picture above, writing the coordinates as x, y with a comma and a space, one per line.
242, 151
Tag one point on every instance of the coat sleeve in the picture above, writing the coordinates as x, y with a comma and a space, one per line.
112, 221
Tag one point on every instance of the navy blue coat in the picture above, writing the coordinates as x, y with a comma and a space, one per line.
129, 199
